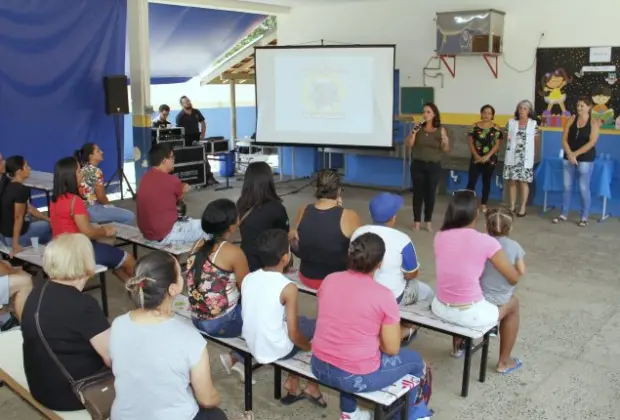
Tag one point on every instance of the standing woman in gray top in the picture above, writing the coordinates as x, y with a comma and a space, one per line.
428, 142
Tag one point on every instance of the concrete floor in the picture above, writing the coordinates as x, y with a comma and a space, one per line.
569, 339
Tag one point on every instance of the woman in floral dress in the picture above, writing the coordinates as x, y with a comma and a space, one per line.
92, 189
522, 140
484, 140
215, 269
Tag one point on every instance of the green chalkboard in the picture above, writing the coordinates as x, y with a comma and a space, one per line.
412, 99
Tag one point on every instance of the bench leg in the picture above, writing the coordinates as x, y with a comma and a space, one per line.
466, 367
134, 249
277, 382
247, 386
104, 294
484, 357
379, 414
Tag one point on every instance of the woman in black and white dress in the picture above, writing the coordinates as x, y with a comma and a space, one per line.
521, 142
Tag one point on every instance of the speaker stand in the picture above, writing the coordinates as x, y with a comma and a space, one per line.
120, 171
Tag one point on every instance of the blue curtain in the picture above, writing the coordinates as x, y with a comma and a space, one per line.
53, 57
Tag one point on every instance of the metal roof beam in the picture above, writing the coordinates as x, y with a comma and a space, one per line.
232, 5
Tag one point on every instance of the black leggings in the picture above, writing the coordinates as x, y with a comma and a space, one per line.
424, 180
486, 170
210, 414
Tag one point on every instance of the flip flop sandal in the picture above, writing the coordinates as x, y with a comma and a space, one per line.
318, 401
522, 214
582, 223
518, 365
289, 398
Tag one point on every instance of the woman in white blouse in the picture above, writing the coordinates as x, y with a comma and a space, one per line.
521, 143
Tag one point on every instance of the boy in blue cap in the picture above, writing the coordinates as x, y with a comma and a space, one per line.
400, 265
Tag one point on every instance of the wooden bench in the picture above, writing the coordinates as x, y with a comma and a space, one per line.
237, 344
34, 257
388, 402
13, 376
421, 315
131, 235
393, 397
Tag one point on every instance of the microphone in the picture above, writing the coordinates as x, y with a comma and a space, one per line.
419, 125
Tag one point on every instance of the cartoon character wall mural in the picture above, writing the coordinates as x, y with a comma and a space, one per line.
563, 75
552, 84
601, 95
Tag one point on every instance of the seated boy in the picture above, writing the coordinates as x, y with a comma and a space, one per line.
271, 326
156, 202
400, 266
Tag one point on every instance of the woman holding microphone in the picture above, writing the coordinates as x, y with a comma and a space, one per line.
428, 142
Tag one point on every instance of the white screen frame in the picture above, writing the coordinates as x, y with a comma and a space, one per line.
391, 48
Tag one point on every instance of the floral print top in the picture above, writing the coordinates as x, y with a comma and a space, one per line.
485, 139
212, 291
93, 177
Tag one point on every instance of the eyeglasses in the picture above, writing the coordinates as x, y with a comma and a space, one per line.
464, 191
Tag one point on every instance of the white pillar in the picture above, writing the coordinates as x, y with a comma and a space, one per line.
140, 80
233, 111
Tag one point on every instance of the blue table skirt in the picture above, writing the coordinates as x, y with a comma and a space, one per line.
550, 177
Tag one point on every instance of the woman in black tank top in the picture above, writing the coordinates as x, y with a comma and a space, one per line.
324, 230
578, 141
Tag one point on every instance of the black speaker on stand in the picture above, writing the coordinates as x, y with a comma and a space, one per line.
117, 105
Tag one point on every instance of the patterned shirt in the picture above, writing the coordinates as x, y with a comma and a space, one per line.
485, 139
212, 291
93, 177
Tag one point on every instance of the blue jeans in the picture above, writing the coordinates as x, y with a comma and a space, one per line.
37, 229
585, 175
228, 325
184, 232
391, 369
307, 327
109, 213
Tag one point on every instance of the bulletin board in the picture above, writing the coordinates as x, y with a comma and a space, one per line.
563, 75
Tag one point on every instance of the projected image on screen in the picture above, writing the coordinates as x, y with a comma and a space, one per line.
322, 96
325, 96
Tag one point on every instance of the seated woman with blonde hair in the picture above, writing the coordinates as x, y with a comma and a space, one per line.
160, 363
323, 231
71, 322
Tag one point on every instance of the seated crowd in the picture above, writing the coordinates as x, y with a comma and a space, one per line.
161, 363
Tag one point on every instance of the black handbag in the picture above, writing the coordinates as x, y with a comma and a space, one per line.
96, 392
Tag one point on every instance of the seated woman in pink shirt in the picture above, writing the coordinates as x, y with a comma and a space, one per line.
461, 253
356, 345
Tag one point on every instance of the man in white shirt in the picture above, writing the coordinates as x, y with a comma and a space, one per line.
400, 265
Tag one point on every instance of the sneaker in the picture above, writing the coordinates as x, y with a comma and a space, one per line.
356, 415
460, 351
239, 370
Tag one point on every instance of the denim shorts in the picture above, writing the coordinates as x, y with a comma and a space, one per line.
228, 325
307, 327
108, 256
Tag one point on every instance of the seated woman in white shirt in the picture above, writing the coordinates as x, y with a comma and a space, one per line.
160, 363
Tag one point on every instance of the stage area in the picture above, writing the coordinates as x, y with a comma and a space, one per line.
569, 339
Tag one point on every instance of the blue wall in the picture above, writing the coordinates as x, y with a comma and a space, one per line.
218, 124
53, 57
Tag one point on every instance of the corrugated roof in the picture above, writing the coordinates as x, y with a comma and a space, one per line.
240, 66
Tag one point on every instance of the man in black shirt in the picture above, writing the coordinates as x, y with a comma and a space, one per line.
162, 120
189, 118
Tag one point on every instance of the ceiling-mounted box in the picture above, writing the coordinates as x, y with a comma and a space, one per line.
470, 32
